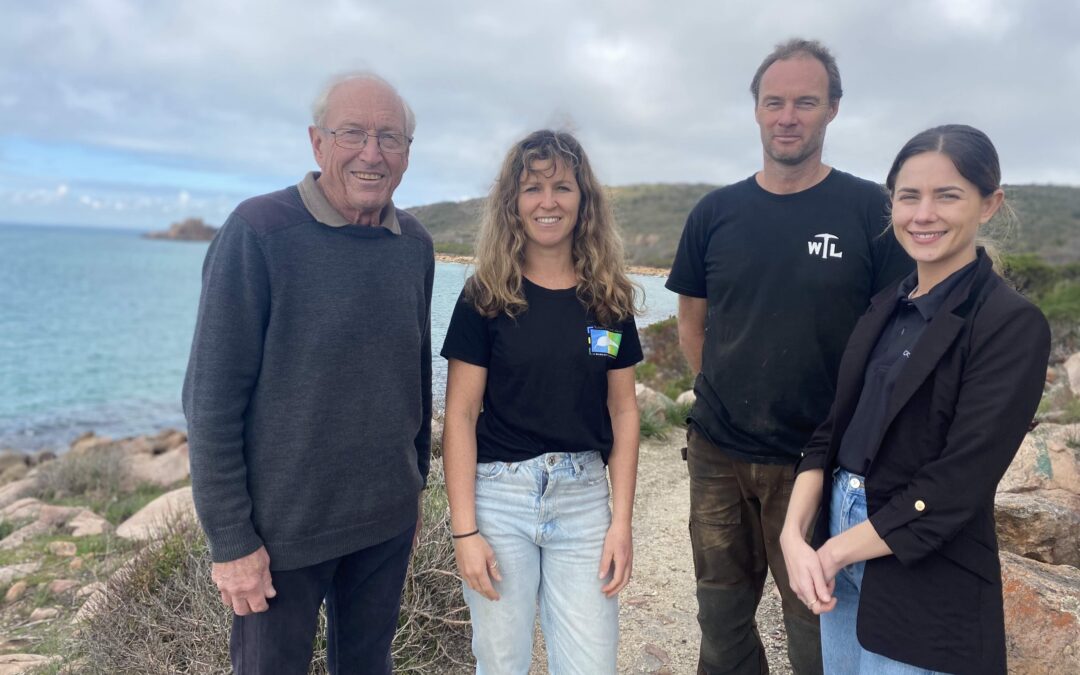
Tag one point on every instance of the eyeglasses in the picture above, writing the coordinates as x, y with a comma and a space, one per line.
356, 139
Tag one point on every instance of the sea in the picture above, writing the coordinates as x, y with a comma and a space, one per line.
96, 325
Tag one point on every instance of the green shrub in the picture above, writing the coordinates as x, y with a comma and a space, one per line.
1030, 274
652, 428
1062, 303
676, 416
664, 368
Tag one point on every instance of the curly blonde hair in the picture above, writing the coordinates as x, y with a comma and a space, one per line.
603, 286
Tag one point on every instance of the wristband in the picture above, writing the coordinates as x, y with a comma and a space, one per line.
462, 536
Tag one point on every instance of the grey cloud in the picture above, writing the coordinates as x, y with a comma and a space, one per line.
658, 91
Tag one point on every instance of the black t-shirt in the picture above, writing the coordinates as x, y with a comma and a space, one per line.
785, 278
546, 374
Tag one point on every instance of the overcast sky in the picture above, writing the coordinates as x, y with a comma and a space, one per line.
135, 114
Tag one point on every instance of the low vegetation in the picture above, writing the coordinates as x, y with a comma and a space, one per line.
665, 371
1056, 290
162, 613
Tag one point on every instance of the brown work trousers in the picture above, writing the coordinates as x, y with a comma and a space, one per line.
736, 513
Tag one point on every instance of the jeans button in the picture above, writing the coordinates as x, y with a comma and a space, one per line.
854, 483
552, 459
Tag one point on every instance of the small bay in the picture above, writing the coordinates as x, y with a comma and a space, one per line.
96, 324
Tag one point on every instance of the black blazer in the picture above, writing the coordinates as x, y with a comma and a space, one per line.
956, 418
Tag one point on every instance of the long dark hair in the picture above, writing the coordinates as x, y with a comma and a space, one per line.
975, 158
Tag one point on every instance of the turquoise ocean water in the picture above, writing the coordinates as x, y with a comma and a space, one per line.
95, 327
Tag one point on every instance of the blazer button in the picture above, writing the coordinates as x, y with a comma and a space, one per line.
920, 505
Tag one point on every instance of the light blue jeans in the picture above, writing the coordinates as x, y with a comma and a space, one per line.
840, 648
546, 519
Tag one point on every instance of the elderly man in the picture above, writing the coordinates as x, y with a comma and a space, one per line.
772, 273
308, 395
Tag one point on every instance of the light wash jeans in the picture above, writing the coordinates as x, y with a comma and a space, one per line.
546, 519
840, 648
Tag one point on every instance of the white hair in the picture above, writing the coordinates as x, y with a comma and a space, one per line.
318, 108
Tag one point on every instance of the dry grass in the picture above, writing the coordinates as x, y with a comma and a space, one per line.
92, 474
163, 614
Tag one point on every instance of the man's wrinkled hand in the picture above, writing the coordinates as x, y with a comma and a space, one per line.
245, 583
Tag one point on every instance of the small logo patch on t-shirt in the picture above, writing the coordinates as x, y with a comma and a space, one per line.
604, 342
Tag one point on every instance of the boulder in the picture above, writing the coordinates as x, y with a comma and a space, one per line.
1042, 616
1072, 371
1043, 525
86, 523
41, 457
57, 516
687, 397
73, 520
44, 614
27, 508
90, 589
165, 469
89, 442
61, 586
10, 458
62, 549
24, 534
15, 491
17, 590
13, 473
20, 664
652, 403
96, 598
152, 519
1049, 458
10, 573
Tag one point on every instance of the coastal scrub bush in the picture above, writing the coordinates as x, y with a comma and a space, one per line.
95, 475
650, 427
162, 614
664, 368
1056, 290
677, 415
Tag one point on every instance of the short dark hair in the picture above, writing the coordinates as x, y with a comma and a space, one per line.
970, 150
800, 47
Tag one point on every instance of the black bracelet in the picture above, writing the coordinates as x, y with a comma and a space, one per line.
462, 536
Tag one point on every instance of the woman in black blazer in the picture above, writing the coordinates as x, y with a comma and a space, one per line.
936, 389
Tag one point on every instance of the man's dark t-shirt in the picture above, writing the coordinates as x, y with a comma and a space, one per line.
785, 278
547, 374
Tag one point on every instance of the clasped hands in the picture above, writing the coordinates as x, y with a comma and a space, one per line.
812, 574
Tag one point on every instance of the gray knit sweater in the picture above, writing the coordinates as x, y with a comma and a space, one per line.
308, 390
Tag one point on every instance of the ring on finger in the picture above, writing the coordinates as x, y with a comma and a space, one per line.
493, 564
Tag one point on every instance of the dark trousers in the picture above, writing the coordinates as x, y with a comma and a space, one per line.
736, 513
363, 598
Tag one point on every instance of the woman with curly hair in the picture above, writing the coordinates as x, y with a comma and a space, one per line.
539, 398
